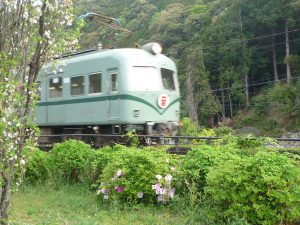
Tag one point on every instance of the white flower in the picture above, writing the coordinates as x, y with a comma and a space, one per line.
37, 3
158, 176
119, 173
105, 197
47, 33
22, 162
168, 177
140, 194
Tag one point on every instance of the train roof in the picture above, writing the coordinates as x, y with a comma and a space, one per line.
121, 54
119, 57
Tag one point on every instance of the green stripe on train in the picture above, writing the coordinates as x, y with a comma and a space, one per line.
104, 98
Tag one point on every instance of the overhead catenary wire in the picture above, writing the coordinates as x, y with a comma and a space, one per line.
244, 86
241, 41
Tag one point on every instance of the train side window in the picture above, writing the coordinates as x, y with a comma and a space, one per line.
55, 87
77, 85
95, 81
114, 82
168, 79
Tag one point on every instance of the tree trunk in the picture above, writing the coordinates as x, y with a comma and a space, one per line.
247, 91
243, 59
4, 201
223, 105
190, 98
210, 121
274, 58
230, 104
287, 53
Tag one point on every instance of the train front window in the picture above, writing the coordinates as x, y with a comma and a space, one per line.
167, 77
95, 83
144, 79
55, 87
77, 85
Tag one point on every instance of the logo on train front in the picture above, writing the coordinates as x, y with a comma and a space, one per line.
163, 101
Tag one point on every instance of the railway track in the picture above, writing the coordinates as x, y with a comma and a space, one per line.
176, 144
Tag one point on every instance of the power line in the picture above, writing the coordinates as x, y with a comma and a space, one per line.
243, 86
242, 40
254, 84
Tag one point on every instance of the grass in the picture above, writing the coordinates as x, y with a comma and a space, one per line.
68, 205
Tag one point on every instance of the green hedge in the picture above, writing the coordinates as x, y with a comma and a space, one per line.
264, 189
36, 167
198, 163
71, 161
240, 180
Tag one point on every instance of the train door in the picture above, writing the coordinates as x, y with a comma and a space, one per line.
114, 98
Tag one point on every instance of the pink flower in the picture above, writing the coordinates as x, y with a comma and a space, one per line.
160, 198
102, 191
156, 186
119, 189
171, 193
162, 191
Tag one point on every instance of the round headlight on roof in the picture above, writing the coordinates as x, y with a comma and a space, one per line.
153, 48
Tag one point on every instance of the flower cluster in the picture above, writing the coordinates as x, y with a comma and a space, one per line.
163, 188
113, 185
105, 191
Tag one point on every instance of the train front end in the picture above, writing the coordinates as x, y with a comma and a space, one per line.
153, 96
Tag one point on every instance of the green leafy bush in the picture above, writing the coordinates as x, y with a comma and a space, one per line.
223, 131
134, 175
100, 159
263, 189
249, 146
71, 161
199, 161
188, 127
36, 169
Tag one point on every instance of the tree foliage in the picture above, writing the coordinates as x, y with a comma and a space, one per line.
236, 47
31, 33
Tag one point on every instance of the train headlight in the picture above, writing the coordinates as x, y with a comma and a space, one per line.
153, 48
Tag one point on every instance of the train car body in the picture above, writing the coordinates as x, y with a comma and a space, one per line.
110, 92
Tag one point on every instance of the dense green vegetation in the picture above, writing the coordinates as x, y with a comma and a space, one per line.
227, 51
236, 180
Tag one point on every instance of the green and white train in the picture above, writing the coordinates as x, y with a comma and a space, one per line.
110, 91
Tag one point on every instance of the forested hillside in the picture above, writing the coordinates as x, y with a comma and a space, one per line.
238, 60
